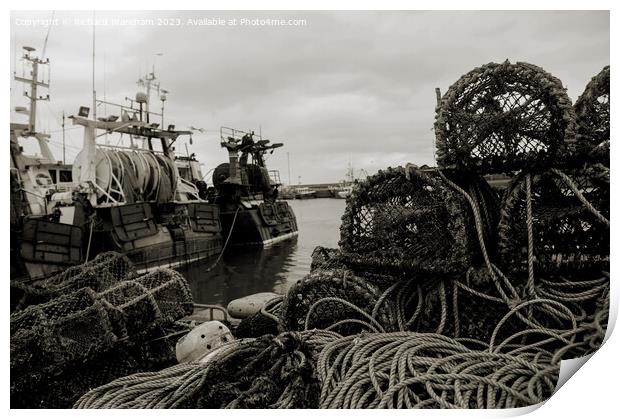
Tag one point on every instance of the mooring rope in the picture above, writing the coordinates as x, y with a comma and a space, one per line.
219, 257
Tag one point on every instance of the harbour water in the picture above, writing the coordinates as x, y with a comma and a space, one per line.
243, 271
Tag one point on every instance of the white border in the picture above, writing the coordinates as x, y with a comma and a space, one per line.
593, 393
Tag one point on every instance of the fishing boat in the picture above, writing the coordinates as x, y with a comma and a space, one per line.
304, 192
38, 182
247, 192
344, 191
138, 199
345, 187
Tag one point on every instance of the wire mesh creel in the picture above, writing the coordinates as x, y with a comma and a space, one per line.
332, 299
568, 235
592, 109
412, 220
503, 117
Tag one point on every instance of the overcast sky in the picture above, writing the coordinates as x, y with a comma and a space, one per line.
346, 86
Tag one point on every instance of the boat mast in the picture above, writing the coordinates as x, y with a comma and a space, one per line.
34, 83
63, 138
94, 91
33, 97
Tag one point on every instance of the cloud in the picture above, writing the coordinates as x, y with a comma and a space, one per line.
347, 86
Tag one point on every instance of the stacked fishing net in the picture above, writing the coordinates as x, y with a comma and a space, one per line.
105, 270
410, 219
566, 213
503, 117
264, 322
84, 338
592, 109
334, 299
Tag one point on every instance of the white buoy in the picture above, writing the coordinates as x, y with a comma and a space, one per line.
202, 340
246, 306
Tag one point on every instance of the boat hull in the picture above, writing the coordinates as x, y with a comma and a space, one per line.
263, 225
150, 237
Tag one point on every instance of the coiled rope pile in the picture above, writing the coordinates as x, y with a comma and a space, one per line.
417, 309
411, 370
268, 372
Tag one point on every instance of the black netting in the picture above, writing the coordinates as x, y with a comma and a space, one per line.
567, 235
412, 220
325, 298
46, 337
73, 330
503, 117
270, 372
263, 322
325, 258
99, 274
148, 352
154, 299
592, 109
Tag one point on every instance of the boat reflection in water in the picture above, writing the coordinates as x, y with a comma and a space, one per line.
244, 271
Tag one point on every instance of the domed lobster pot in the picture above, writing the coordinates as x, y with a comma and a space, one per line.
503, 117
569, 221
411, 220
592, 109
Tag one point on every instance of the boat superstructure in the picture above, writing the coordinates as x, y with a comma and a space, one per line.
135, 197
38, 182
247, 192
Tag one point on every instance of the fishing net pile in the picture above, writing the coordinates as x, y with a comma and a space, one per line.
84, 338
443, 293
523, 273
105, 270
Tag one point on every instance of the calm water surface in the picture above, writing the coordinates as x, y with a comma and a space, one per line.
244, 271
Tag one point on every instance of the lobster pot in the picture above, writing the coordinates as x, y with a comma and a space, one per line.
46, 337
413, 221
324, 299
568, 235
75, 329
503, 117
153, 353
99, 274
158, 298
592, 109
326, 259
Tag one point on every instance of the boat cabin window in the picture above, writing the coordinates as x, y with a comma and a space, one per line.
53, 175
184, 172
65, 176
